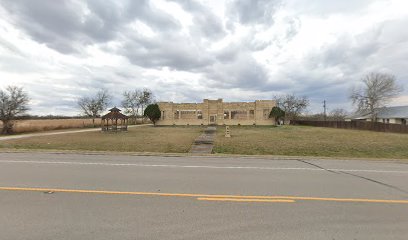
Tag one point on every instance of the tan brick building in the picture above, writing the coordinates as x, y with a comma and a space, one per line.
217, 112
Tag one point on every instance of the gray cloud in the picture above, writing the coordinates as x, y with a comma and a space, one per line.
241, 71
205, 23
254, 11
379, 49
324, 7
253, 60
68, 25
228, 54
166, 50
50, 22
144, 11
331, 72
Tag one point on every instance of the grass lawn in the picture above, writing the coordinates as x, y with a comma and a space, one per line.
311, 141
139, 139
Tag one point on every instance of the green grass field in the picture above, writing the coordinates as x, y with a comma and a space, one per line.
311, 141
140, 139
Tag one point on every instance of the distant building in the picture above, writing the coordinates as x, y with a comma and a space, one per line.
396, 115
217, 112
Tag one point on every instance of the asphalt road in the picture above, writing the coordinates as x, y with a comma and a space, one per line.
72, 196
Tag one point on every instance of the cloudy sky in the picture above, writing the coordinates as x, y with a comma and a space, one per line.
187, 50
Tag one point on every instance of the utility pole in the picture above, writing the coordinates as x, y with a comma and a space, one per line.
324, 107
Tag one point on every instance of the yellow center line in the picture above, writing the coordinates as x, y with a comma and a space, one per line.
246, 200
363, 200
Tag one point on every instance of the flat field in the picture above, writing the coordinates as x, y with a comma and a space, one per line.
39, 125
138, 139
247, 140
311, 141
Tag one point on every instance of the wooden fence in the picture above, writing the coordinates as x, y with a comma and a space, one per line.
359, 125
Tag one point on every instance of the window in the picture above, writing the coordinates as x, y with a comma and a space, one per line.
188, 114
176, 114
163, 114
239, 114
266, 113
251, 114
226, 115
199, 114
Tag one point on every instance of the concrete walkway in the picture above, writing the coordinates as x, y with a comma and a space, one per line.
205, 142
58, 133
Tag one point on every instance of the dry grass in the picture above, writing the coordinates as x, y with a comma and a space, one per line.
312, 141
139, 139
286, 140
39, 125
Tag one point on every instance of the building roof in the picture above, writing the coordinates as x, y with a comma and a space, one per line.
393, 112
386, 112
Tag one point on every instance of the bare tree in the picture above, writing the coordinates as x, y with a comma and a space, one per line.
338, 114
131, 103
13, 101
378, 90
146, 98
93, 106
292, 105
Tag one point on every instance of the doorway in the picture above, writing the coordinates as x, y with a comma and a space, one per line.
213, 119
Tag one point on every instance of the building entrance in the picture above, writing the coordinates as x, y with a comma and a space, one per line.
213, 119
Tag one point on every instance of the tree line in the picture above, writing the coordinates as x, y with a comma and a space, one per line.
375, 92
132, 102
14, 103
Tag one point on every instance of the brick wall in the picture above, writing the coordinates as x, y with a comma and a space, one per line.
217, 112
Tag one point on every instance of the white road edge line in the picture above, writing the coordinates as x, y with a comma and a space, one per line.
199, 166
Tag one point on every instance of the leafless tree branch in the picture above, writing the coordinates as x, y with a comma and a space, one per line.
378, 90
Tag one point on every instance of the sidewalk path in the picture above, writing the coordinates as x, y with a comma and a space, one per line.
205, 142
58, 133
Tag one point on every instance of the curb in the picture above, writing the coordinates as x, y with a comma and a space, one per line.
152, 154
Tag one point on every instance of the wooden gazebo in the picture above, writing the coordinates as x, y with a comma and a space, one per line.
114, 121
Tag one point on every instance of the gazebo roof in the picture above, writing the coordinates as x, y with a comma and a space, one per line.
115, 109
114, 114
